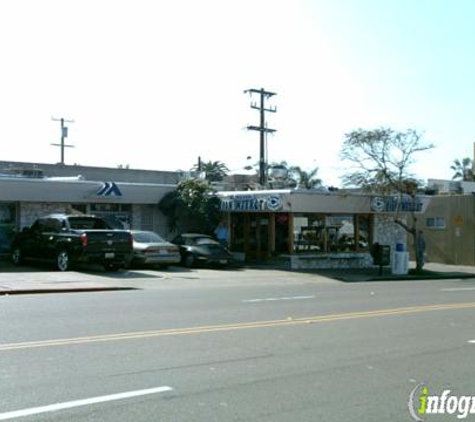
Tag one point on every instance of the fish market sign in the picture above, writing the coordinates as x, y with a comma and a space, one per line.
396, 204
252, 203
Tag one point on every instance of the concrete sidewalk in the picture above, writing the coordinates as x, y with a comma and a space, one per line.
42, 279
432, 271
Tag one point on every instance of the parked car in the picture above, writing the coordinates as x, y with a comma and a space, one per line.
151, 249
67, 240
200, 249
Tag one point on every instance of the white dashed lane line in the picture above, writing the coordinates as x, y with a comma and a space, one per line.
276, 299
458, 289
80, 403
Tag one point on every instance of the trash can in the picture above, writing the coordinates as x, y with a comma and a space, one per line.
401, 260
381, 255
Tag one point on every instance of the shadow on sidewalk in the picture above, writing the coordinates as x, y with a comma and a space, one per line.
372, 274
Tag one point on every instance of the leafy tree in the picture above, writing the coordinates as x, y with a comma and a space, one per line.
192, 207
463, 170
215, 170
306, 179
381, 161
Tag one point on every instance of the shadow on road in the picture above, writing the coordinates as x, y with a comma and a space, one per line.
6, 266
40, 267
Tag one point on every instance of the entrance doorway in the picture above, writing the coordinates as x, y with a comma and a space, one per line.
253, 234
259, 237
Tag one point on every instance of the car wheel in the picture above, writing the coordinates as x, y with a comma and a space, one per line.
111, 267
17, 256
62, 261
189, 260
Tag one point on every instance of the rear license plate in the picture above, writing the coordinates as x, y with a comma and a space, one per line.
164, 251
223, 261
109, 255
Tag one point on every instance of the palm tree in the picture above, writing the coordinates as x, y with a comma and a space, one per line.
463, 170
306, 179
214, 170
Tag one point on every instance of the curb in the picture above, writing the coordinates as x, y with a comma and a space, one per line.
71, 290
401, 279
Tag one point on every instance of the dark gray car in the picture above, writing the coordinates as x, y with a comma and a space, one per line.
200, 249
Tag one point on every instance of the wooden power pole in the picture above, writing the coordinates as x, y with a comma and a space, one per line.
263, 129
64, 135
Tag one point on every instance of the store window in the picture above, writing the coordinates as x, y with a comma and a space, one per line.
435, 222
238, 233
315, 233
78, 208
363, 232
117, 216
309, 233
341, 233
7, 226
111, 207
281, 233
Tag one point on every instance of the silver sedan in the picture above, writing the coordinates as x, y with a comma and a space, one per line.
152, 249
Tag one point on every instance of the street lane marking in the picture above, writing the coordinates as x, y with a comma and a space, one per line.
79, 403
275, 299
457, 289
237, 326
471, 341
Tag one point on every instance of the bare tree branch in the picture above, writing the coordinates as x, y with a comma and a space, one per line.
382, 160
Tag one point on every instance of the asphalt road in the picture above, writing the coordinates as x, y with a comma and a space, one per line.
245, 345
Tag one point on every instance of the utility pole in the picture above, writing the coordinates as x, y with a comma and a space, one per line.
64, 135
263, 129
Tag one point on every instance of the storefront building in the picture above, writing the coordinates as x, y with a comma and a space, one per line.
313, 229
123, 205
449, 229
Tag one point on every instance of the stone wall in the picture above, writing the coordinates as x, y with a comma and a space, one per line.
149, 217
144, 217
387, 232
346, 260
160, 225
29, 211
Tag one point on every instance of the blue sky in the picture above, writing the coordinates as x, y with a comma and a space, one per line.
154, 84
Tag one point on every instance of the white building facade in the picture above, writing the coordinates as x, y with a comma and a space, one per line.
121, 204
315, 229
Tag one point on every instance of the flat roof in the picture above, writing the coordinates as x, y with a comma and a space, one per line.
16, 189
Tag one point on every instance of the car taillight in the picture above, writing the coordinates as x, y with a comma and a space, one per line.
84, 240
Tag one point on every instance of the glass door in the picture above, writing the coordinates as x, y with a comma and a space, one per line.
259, 237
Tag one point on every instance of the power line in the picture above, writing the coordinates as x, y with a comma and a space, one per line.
263, 129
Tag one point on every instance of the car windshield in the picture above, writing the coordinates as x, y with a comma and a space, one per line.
147, 237
87, 223
202, 241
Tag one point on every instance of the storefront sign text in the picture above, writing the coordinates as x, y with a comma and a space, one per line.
252, 203
396, 204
